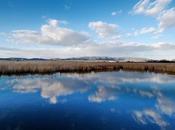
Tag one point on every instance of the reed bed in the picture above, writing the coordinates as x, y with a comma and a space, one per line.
51, 66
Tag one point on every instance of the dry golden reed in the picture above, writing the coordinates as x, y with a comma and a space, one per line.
53, 66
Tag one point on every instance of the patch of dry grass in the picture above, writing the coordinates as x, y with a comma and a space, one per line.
46, 67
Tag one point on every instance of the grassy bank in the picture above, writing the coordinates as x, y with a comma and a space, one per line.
46, 67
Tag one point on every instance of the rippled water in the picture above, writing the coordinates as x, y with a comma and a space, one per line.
95, 101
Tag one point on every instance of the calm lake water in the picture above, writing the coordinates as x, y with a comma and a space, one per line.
94, 101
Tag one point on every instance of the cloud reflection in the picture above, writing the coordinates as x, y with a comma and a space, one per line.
103, 94
154, 89
125, 77
166, 105
150, 116
50, 89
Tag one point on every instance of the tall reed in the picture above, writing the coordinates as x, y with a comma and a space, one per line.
52, 66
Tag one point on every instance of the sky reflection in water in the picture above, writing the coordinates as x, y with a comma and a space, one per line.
105, 101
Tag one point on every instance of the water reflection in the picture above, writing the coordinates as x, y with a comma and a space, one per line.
135, 100
50, 89
103, 94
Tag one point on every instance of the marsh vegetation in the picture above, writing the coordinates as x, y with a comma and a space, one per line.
53, 66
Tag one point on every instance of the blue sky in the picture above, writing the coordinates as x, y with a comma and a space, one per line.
75, 28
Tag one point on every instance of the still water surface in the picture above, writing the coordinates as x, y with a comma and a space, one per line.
94, 101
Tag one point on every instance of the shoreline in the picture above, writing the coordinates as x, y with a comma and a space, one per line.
66, 66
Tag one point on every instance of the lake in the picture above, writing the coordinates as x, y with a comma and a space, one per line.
94, 101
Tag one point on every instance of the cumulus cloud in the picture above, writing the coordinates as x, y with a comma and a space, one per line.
149, 7
50, 33
76, 44
104, 29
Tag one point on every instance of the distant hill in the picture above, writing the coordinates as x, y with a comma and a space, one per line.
90, 58
94, 58
21, 59
120, 59
161, 61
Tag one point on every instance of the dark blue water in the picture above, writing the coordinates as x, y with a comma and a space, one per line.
95, 101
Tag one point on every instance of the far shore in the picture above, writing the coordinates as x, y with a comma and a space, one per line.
64, 66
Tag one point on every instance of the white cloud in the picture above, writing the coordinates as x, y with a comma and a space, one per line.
157, 8
144, 30
147, 30
104, 29
50, 33
77, 44
167, 19
149, 7
114, 13
118, 49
